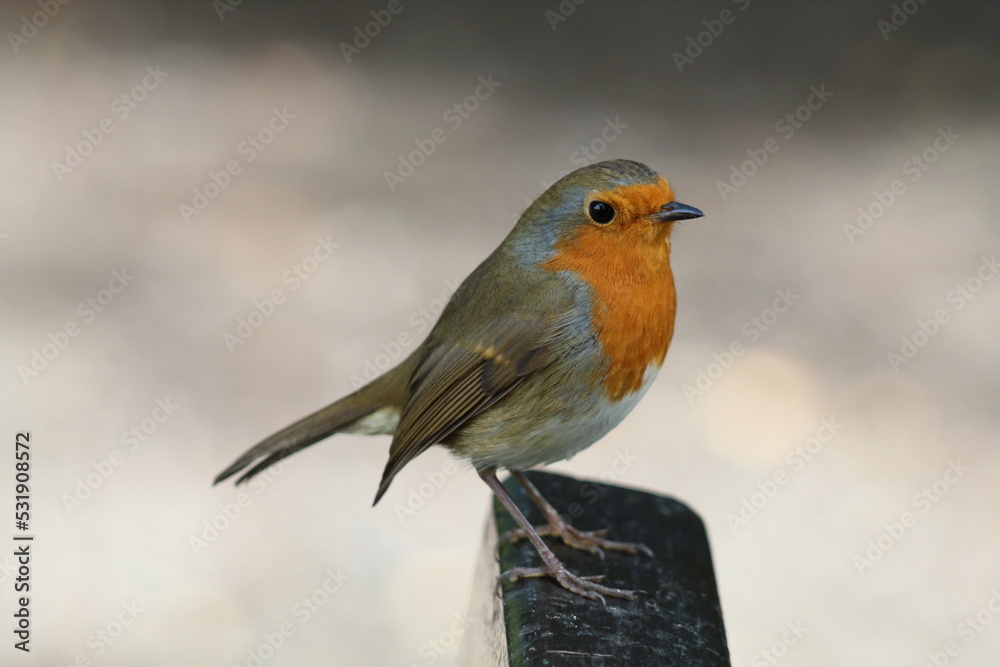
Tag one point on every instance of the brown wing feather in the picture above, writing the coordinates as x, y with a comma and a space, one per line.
456, 382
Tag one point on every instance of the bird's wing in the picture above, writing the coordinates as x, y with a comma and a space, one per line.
455, 382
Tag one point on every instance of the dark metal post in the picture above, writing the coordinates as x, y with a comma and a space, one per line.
677, 622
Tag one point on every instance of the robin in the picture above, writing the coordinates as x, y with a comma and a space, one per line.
541, 351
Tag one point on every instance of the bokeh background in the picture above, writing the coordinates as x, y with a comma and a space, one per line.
117, 116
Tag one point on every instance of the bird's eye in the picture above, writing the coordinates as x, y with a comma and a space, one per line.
601, 212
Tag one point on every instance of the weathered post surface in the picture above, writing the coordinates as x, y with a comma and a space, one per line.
676, 622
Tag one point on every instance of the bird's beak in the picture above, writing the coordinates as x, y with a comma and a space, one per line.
676, 211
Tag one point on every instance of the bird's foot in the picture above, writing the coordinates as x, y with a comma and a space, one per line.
585, 586
587, 540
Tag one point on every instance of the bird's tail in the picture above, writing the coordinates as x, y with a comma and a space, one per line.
380, 401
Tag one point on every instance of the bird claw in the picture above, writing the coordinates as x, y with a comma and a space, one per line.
591, 541
586, 586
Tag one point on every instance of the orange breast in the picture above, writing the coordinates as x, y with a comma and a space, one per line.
633, 292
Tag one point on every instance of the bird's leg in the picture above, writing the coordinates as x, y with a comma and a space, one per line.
592, 541
553, 567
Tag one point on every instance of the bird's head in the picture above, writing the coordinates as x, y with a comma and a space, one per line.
608, 207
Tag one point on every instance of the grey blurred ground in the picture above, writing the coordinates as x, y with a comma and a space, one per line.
401, 578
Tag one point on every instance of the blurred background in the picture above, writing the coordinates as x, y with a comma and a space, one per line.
220, 216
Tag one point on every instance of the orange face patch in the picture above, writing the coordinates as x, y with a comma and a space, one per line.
627, 265
634, 202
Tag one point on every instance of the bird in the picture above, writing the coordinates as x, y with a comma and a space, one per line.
542, 350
